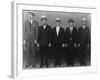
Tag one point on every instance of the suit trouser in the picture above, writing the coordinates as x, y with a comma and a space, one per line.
66, 51
70, 55
64, 54
82, 54
30, 50
44, 55
57, 53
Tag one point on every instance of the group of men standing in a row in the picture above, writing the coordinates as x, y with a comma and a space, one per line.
57, 39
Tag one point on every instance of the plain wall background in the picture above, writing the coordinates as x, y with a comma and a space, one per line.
64, 16
5, 39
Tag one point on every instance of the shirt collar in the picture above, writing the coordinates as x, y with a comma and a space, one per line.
83, 27
71, 27
44, 26
57, 26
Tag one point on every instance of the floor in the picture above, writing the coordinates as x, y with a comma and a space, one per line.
27, 59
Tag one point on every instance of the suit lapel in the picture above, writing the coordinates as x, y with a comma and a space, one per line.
30, 25
59, 31
45, 28
71, 32
55, 31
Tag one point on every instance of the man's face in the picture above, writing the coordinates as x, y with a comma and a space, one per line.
70, 24
83, 23
57, 23
44, 21
30, 16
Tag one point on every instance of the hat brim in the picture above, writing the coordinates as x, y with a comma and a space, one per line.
70, 21
44, 18
31, 13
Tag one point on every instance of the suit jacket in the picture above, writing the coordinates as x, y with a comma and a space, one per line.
70, 37
44, 35
30, 30
83, 36
57, 41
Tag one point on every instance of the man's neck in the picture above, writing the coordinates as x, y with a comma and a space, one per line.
30, 20
71, 26
58, 26
83, 26
44, 24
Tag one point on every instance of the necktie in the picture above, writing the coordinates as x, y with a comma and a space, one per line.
30, 25
57, 30
71, 29
44, 26
83, 27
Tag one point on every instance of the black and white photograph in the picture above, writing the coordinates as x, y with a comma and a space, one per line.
56, 39
52, 40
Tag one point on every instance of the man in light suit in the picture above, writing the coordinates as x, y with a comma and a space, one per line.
44, 41
83, 41
57, 42
30, 38
70, 42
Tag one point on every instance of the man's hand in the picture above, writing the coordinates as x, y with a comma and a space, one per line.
49, 45
38, 45
78, 45
75, 45
88, 45
24, 42
24, 45
35, 42
63, 45
66, 45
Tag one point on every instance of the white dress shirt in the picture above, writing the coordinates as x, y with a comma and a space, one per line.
83, 27
31, 21
44, 26
71, 28
57, 30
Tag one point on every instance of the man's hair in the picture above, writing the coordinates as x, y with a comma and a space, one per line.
70, 20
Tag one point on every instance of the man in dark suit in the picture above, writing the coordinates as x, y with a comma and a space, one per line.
83, 41
44, 41
70, 42
30, 32
57, 41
